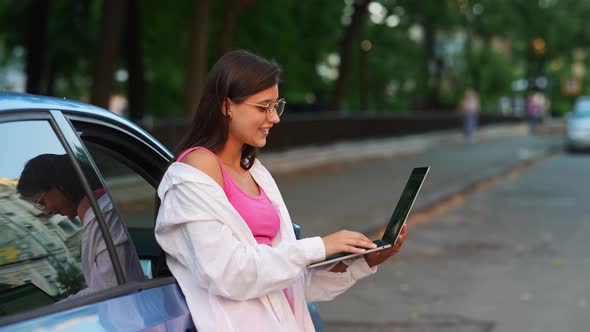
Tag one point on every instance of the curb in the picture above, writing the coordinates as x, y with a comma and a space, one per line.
302, 158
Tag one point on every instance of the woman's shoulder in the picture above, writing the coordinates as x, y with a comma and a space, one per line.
206, 162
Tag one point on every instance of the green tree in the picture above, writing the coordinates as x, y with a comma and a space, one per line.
348, 41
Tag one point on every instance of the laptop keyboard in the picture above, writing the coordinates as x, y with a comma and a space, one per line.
379, 243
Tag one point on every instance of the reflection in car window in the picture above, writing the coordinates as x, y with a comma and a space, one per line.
134, 198
39, 253
47, 251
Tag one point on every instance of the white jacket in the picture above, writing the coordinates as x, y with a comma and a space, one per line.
231, 283
96, 261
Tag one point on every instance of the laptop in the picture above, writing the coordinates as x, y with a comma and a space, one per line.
398, 218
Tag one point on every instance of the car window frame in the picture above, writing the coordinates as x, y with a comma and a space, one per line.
100, 296
139, 152
132, 143
96, 124
72, 143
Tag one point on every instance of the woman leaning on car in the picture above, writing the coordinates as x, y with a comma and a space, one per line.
222, 222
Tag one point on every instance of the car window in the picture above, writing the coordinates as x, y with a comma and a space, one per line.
134, 198
51, 248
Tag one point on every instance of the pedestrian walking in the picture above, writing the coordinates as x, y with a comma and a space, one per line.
469, 108
536, 107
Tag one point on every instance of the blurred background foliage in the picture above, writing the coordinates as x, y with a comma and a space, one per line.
352, 56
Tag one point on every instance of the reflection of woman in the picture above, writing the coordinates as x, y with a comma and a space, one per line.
50, 182
224, 226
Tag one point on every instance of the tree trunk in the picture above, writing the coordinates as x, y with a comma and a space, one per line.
36, 44
197, 57
231, 13
107, 47
365, 81
470, 63
51, 77
426, 87
134, 55
347, 48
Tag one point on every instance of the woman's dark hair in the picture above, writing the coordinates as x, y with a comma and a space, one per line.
48, 171
236, 75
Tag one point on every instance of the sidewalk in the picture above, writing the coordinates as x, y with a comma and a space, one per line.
308, 157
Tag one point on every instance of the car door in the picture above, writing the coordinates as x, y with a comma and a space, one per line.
44, 257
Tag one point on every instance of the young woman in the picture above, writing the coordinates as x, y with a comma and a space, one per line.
224, 226
50, 182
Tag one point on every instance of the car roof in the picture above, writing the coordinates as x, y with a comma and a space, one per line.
14, 101
11, 101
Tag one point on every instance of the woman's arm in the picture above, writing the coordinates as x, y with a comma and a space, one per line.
239, 271
324, 285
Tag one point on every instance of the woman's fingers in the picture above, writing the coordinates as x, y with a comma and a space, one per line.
357, 236
347, 241
363, 243
355, 250
379, 257
401, 238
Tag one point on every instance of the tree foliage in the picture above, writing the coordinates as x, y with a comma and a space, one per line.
70, 279
415, 55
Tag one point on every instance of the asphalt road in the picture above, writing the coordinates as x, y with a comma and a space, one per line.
511, 256
361, 195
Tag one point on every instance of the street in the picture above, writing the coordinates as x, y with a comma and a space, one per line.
509, 256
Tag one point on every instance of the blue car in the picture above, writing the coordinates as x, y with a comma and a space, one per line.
65, 272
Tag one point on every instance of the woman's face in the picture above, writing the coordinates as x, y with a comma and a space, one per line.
54, 201
251, 124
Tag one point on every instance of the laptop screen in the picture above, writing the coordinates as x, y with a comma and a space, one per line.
404, 204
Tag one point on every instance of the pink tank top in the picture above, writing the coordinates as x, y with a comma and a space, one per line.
257, 211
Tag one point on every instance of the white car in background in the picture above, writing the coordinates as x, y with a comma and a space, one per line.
577, 125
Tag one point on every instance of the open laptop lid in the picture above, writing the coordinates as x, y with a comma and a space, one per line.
404, 204
398, 217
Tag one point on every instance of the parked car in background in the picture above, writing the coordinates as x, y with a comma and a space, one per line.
577, 125
40, 263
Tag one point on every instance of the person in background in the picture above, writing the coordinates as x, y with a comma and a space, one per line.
469, 108
222, 222
50, 182
536, 107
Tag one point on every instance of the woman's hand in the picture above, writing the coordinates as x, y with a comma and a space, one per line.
378, 257
347, 241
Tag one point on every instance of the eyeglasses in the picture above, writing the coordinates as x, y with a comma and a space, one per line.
40, 204
277, 106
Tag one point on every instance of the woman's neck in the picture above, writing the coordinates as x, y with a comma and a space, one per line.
231, 154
